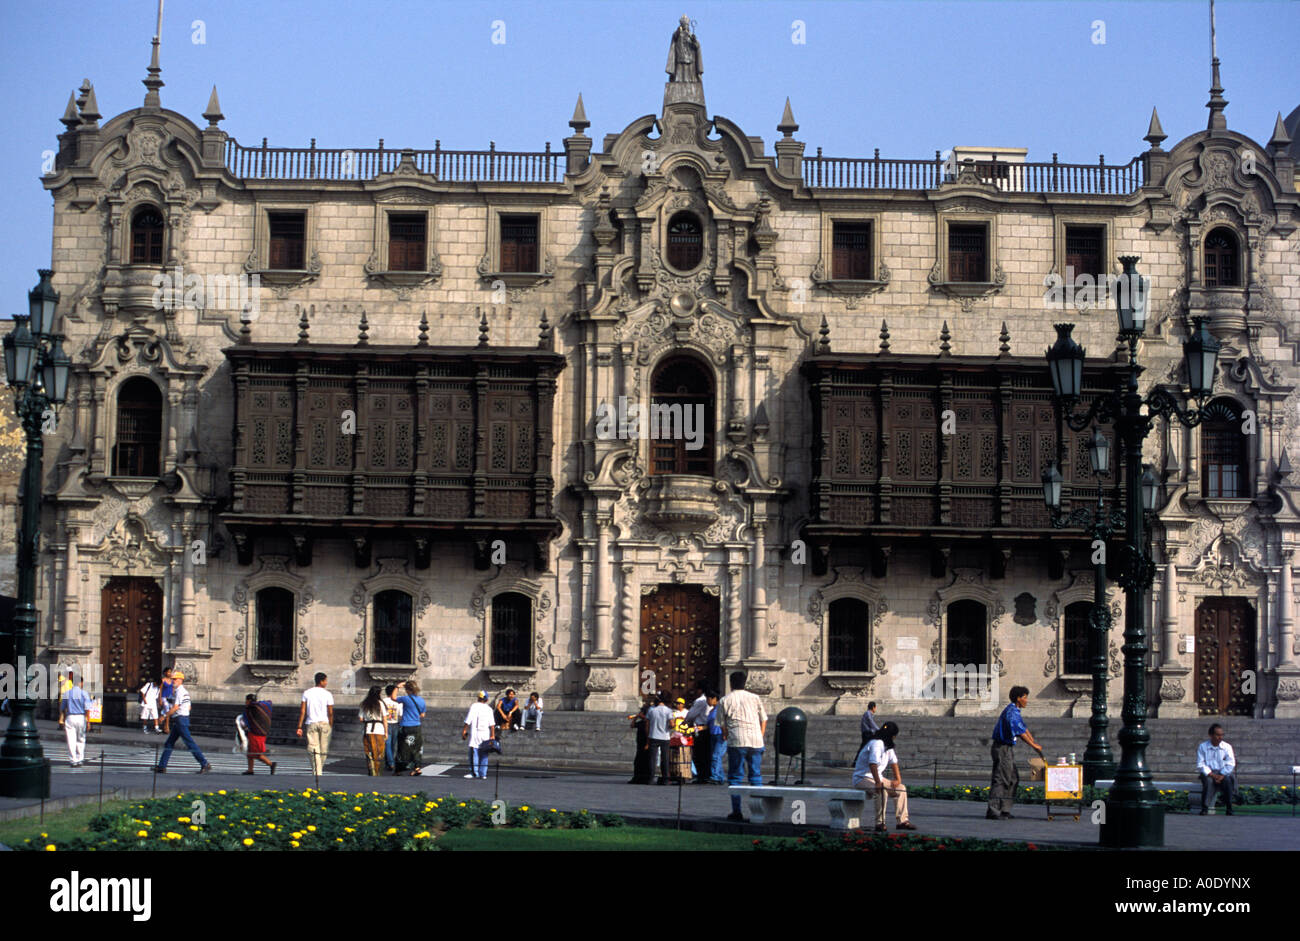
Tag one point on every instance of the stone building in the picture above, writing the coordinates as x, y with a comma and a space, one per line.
386, 425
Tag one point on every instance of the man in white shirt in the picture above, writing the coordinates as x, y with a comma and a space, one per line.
1217, 765
744, 724
658, 721
480, 727
877, 755
318, 709
180, 713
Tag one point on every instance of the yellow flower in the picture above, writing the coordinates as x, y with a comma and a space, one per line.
221, 816
270, 826
221, 792
390, 831
293, 843
182, 819
358, 809
525, 807
296, 834
49, 847
142, 833
461, 804
46, 834
311, 827
552, 810
349, 829
421, 836
192, 827
338, 839
248, 841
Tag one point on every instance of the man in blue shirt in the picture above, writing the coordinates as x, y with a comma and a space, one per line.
72, 716
1002, 793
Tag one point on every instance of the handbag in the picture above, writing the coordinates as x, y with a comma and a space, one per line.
491, 745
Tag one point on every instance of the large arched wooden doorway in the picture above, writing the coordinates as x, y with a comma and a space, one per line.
130, 633
1225, 649
679, 638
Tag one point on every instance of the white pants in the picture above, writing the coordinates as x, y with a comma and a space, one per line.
75, 729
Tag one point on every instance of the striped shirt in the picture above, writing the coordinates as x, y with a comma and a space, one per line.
181, 695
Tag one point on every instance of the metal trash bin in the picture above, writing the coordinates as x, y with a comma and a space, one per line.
791, 739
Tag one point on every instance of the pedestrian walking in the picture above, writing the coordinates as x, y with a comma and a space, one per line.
681, 741
479, 728
179, 716
148, 705
410, 742
869, 725
1006, 777
166, 698
393, 719
876, 771
257, 726
1216, 763
318, 710
641, 763
72, 717
374, 730
718, 747
744, 724
658, 731
533, 713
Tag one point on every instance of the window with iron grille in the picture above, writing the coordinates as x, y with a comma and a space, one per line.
685, 242
967, 253
1084, 248
966, 634
392, 627
147, 237
846, 636
512, 616
138, 445
406, 241
288, 241
519, 244
851, 251
1075, 659
680, 392
1221, 260
1224, 456
275, 624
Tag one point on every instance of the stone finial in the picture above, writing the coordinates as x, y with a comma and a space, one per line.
83, 93
424, 329
1217, 102
545, 333
303, 326
1155, 133
824, 344
213, 112
1283, 466
579, 121
1280, 140
884, 336
154, 80
787, 126
482, 327
70, 117
363, 330
1004, 341
90, 111
944, 337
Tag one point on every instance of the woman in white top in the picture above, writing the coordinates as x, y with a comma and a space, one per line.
374, 732
148, 706
480, 727
392, 715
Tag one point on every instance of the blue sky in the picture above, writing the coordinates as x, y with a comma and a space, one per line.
909, 78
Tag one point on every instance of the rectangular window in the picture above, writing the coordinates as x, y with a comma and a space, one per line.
288, 241
967, 253
406, 241
519, 244
1084, 245
851, 251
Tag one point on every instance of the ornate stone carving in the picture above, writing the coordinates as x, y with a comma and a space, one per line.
1288, 690
1049, 666
759, 683
1171, 691
601, 681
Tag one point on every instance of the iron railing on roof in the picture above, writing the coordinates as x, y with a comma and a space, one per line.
1053, 177
365, 163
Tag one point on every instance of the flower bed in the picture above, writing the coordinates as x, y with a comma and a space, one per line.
869, 841
304, 820
1174, 800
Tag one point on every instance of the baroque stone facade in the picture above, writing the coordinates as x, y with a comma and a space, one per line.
682, 245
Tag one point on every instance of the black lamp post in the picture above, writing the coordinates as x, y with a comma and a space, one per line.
1134, 816
37, 369
1101, 523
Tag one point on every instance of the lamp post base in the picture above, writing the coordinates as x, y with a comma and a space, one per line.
1131, 825
23, 777
1094, 771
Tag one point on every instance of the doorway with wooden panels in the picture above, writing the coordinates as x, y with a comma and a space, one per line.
1225, 649
679, 638
130, 633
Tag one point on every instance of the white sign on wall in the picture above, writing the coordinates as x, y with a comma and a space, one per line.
907, 643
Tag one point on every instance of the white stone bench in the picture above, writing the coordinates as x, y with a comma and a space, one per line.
1158, 785
767, 803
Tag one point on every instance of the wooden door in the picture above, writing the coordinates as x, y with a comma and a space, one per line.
130, 633
1225, 648
679, 638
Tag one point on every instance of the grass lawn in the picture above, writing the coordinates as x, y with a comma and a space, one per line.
59, 825
620, 838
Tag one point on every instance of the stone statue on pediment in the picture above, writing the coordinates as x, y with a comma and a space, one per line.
684, 61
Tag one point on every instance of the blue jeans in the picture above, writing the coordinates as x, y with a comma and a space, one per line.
478, 761
743, 763
390, 746
181, 730
716, 773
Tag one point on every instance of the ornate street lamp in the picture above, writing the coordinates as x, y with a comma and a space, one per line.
37, 369
1134, 816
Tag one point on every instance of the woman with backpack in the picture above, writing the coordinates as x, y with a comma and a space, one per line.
374, 732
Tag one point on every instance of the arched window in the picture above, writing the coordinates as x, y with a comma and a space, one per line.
680, 423
1224, 466
138, 445
846, 639
512, 615
147, 236
685, 242
392, 627
275, 624
1221, 268
966, 634
1075, 659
